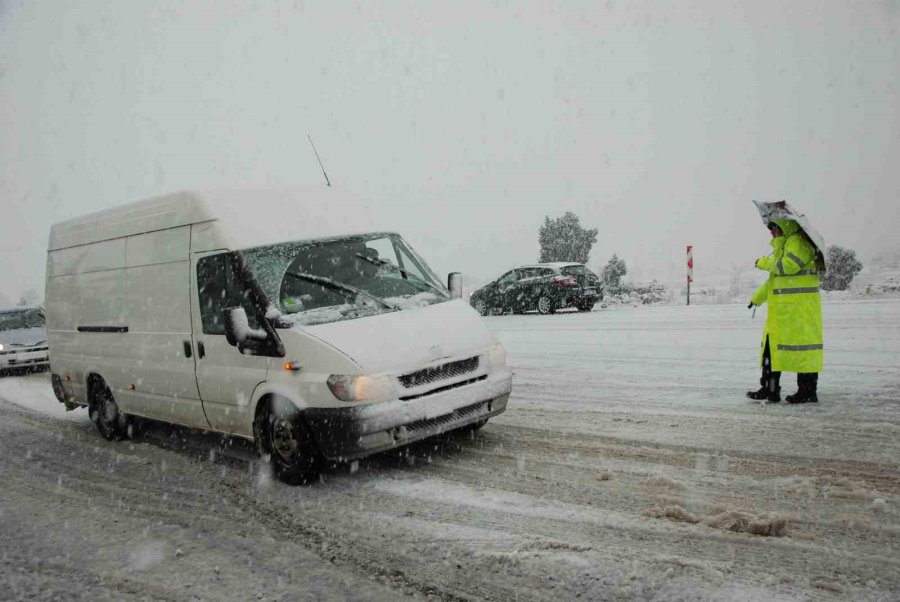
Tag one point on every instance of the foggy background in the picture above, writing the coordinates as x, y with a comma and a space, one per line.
468, 123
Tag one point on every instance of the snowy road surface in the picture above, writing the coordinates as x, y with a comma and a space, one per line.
629, 465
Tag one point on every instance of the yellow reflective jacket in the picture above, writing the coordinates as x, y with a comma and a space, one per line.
794, 322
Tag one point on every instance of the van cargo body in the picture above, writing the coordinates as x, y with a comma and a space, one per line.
265, 314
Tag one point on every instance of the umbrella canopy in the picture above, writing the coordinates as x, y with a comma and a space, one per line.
782, 210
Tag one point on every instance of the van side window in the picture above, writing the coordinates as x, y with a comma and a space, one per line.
220, 286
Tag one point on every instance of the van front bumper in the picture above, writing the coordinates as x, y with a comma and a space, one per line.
349, 433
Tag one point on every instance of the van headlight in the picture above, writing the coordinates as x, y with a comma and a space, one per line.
361, 387
497, 356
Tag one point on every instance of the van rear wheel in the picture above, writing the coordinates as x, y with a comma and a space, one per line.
105, 413
286, 439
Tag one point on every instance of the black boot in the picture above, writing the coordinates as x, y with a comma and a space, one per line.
763, 391
770, 389
807, 383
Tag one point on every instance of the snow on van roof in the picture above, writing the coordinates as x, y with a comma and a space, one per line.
248, 217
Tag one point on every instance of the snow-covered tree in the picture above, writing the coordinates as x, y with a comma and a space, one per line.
842, 267
612, 273
563, 239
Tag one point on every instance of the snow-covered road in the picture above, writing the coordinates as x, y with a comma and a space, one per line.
628, 465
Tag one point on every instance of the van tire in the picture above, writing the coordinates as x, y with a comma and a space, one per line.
105, 413
284, 437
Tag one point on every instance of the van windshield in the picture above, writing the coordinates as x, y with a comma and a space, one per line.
20, 319
315, 282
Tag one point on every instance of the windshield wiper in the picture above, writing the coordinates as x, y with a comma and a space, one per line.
345, 289
384, 262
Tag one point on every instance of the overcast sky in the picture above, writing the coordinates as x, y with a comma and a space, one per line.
656, 123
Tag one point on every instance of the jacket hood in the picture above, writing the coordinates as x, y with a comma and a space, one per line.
788, 226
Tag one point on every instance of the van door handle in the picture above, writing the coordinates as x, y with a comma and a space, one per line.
187, 348
201, 352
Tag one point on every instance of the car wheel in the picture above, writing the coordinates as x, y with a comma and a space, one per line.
285, 438
546, 305
111, 423
480, 307
586, 306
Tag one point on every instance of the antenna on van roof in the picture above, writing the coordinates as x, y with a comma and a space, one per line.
327, 181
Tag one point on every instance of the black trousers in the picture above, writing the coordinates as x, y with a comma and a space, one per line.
806, 381
769, 379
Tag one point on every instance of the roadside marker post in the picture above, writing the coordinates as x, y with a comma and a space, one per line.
690, 271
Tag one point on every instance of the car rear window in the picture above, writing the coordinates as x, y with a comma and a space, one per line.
577, 270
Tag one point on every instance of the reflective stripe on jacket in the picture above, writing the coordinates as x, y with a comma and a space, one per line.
794, 321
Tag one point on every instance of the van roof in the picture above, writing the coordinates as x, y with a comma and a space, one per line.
249, 217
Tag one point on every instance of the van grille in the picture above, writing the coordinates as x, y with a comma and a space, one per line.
461, 383
476, 408
23, 349
436, 373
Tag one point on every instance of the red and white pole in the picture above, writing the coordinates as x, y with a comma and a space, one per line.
690, 271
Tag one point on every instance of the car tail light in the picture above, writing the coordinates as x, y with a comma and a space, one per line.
564, 281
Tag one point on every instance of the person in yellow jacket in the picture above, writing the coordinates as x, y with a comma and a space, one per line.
792, 338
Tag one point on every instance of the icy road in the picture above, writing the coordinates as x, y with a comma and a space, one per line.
629, 465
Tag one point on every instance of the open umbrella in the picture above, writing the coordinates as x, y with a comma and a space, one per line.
782, 210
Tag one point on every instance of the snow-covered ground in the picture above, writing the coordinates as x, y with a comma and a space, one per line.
629, 465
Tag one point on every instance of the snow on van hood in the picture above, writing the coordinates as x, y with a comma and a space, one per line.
403, 340
26, 337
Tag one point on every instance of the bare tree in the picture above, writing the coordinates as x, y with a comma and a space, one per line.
29, 297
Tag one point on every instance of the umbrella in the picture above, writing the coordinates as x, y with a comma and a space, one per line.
782, 210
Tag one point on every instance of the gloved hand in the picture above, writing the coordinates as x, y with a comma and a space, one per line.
763, 263
750, 306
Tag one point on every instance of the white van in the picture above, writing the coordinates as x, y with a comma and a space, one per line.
255, 313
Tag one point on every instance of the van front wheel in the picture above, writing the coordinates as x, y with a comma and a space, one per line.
287, 441
105, 413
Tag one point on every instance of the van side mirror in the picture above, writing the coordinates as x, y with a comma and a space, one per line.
454, 283
237, 329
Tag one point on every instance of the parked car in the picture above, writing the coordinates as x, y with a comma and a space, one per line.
544, 287
284, 317
23, 339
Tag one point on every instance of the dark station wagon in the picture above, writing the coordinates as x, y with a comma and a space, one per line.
544, 287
